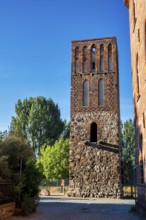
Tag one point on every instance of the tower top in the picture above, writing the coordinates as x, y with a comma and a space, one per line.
96, 39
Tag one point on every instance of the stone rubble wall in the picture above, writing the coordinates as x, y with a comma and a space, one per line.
94, 168
107, 127
7, 210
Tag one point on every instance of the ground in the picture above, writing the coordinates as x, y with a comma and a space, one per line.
64, 208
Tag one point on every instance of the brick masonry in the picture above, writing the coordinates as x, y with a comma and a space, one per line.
95, 167
137, 21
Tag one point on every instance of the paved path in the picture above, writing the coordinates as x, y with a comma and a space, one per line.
63, 208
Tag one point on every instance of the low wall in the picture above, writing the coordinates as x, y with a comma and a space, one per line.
7, 210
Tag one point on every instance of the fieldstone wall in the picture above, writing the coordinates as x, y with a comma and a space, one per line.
107, 127
95, 167
7, 210
94, 171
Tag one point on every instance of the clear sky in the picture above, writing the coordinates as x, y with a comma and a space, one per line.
35, 49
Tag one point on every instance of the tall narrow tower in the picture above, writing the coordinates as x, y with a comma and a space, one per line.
94, 148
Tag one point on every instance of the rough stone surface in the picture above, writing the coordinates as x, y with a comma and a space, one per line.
108, 129
7, 210
95, 171
44, 192
95, 167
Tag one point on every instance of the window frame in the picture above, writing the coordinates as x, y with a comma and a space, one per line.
86, 93
101, 58
110, 60
93, 132
93, 58
77, 60
101, 93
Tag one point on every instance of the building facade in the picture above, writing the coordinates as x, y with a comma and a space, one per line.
95, 142
137, 20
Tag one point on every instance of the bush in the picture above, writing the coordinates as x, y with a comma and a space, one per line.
28, 205
21, 162
132, 208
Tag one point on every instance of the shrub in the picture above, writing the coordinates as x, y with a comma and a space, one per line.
132, 208
28, 205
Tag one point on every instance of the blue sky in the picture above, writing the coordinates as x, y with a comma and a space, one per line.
35, 49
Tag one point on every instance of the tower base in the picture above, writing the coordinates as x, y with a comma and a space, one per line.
94, 171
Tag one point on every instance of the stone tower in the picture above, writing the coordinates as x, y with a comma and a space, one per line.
94, 147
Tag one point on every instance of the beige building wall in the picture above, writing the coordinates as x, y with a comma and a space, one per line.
137, 21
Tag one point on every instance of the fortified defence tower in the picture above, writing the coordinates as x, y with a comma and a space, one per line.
94, 148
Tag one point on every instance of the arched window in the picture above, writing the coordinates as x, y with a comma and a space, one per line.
138, 35
93, 52
141, 158
137, 73
93, 132
101, 58
86, 93
85, 59
143, 119
77, 60
101, 92
134, 17
145, 41
109, 57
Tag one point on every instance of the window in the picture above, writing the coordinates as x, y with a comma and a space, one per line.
138, 35
93, 52
143, 118
101, 58
101, 92
137, 73
145, 41
109, 57
141, 172
77, 60
86, 93
93, 132
141, 159
85, 59
134, 17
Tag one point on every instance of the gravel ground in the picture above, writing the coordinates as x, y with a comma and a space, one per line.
64, 208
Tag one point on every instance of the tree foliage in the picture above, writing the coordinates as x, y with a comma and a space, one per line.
128, 151
54, 160
3, 134
4, 166
37, 120
21, 167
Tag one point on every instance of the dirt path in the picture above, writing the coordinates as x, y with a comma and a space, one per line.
63, 208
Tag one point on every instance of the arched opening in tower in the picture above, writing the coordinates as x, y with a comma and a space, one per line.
93, 132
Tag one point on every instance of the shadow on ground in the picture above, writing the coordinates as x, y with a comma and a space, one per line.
63, 208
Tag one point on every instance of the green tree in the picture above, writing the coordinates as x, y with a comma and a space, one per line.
3, 134
21, 164
128, 151
4, 167
37, 120
54, 160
